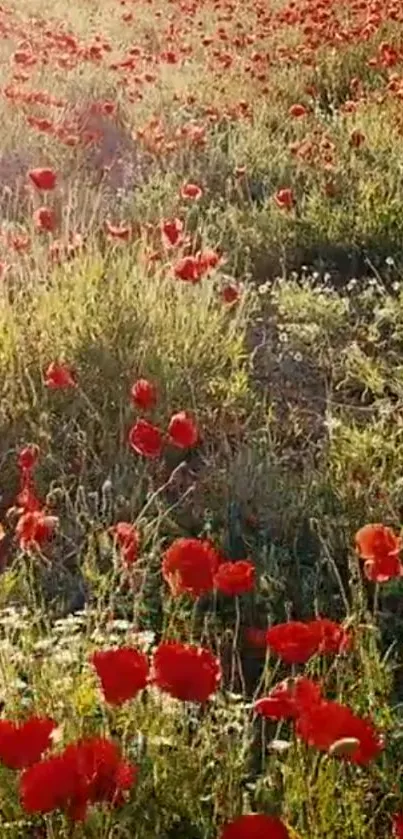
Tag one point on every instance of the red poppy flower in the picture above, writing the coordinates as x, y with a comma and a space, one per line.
294, 642
44, 219
379, 547
192, 191
208, 258
172, 231
182, 431
383, 569
255, 826
235, 578
123, 673
27, 500
22, 744
19, 242
146, 439
188, 269
388, 54
34, 528
284, 199
357, 139
376, 540
230, 293
86, 772
287, 699
332, 727
189, 567
332, 638
128, 539
45, 125
49, 785
122, 232
59, 377
144, 394
43, 178
186, 672
297, 111
28, 457
397, 821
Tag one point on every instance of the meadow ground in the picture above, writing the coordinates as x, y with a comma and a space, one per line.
201, 365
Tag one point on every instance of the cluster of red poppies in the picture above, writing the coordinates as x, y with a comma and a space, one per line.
86, 772
246, 54
231, 48
36, 525
147, 439
91, 770
192, 673
190, 266
194, 567
324, 724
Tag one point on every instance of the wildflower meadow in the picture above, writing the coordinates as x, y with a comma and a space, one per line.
201, 419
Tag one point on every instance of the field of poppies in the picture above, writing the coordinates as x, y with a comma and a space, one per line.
201, 417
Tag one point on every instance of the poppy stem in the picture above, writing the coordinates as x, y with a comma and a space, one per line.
193, 621
333, 567
49, 830
162, 489
235, 643
376, 601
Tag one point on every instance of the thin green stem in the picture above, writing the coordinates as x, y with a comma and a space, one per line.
235, 640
